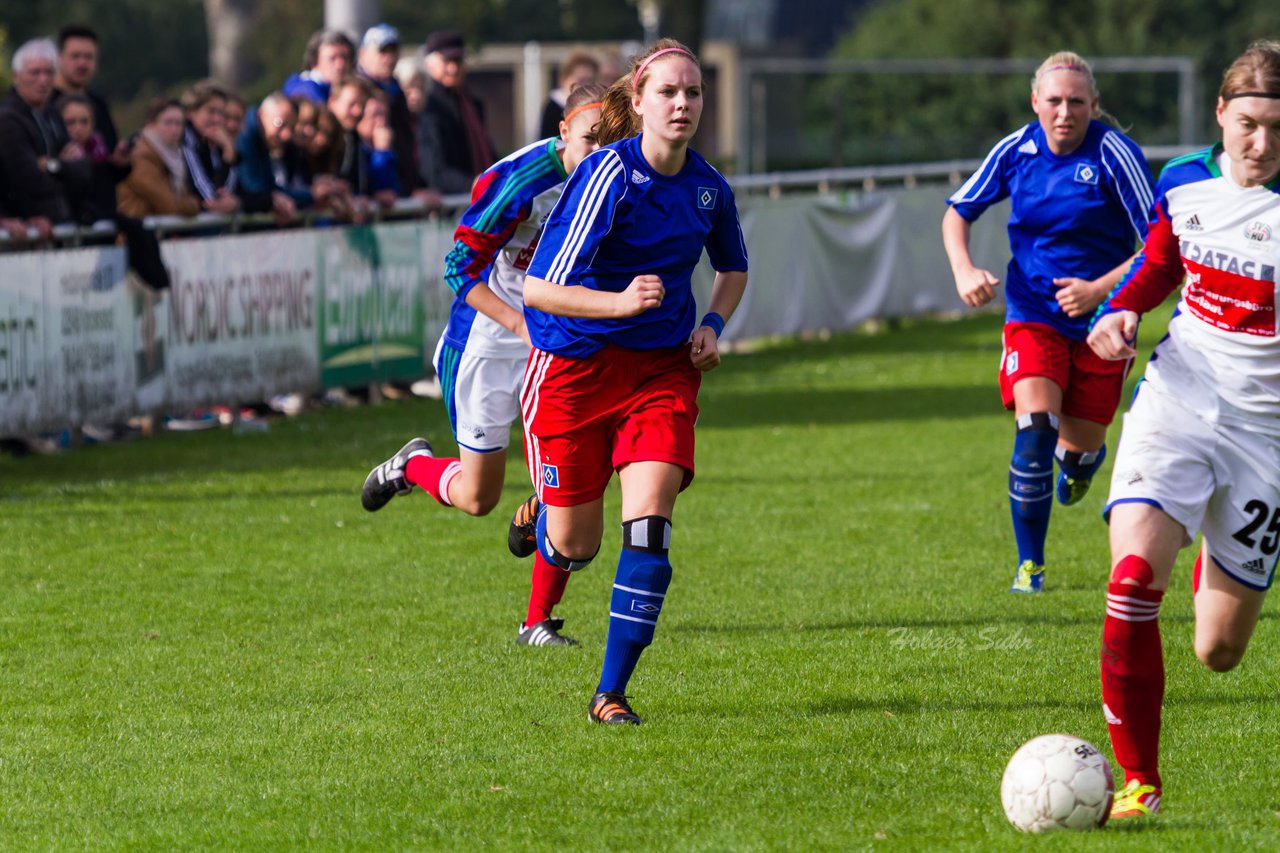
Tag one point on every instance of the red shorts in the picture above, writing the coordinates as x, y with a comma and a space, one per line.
586, 417
1091, 386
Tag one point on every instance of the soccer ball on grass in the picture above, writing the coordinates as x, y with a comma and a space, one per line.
1057, 782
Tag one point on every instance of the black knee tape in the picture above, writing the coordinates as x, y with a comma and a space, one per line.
566, 563
650, 534
1037, 420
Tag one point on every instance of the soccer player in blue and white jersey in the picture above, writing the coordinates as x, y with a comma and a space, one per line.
618, 351
1200, 450
1080, 193
481, 356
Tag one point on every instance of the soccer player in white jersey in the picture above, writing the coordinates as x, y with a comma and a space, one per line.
481, 356
1200, 449
1080, 194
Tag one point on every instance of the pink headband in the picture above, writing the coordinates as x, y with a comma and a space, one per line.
655, 55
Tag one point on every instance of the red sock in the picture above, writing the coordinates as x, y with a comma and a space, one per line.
1133, 678
547, 589
433, 474
1195, 574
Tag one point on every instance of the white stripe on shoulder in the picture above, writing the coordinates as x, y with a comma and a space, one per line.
584, 217
1133, 173
972, 188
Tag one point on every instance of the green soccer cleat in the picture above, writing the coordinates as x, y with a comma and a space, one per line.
1029, 578
1135, 799
1071, 490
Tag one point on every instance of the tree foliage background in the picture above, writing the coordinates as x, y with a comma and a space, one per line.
151, 47
958, 116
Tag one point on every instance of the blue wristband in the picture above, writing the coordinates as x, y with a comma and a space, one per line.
714, 322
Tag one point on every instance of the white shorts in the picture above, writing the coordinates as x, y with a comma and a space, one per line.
482, 395
1224, 482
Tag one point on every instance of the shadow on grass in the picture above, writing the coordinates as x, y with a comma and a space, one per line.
733, 409
840, 705
1032, 618
975, 333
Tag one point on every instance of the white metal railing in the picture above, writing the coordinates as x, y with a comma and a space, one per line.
774, 183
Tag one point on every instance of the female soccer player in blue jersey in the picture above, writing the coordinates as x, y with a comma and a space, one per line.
617, 357
1200, 451
481, 356
1080, 193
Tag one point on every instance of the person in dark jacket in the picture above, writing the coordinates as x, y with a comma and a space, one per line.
208, 149
453, 141
40, 167
379, 52
268, 128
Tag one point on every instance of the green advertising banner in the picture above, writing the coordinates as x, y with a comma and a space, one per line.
372, 305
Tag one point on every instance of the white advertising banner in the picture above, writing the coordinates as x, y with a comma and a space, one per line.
90, 376
22, 344
240, 319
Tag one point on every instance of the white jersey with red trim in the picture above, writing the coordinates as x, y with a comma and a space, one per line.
1221, 356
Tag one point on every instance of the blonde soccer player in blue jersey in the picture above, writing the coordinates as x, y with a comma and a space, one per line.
1080, 192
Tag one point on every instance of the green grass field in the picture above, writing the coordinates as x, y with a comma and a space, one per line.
206, 642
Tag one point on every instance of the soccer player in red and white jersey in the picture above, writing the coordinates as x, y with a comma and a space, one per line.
1200, 450
481, 355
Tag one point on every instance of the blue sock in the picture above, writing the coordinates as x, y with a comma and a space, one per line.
1080, 466
639, 589
548, 550
1031, 483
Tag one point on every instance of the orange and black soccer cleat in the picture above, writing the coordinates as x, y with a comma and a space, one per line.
522, 537
612, 709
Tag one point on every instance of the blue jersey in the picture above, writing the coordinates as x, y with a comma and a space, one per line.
501, 201
1075, 215
619, 218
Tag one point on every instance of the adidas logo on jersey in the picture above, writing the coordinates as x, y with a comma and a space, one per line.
1254, 567
1028, 147
638, 177
1193, 224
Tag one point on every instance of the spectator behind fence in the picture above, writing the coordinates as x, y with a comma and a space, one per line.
415, 96
99, 201
41, 168
77, 66
377, 151
234, 114
379, 52
315, 131
208, 150
578, 69
347, 100
454, 144
328, 58
158, 186
268, 128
